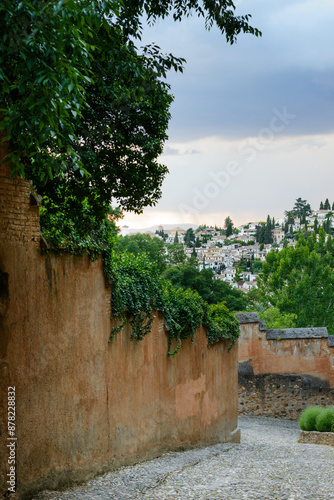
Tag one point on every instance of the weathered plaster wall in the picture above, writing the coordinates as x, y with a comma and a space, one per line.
84, 406
282, 371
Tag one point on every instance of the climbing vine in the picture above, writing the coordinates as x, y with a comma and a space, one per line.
135, 291
72, 226
221, 323
183, 311
137, 288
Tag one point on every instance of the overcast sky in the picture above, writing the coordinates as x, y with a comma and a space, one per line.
252, 125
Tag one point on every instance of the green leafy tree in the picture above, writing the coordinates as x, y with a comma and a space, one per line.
256, 266
300, 280
85, 111
197, 242
327, 205
274, 318
290, 217
189, 238
267, 232
327, 225
162, 233
237, 277
316, 226
176, 254
176, 238
321, 206
228, 226
193, 258
264, 232
301, 209
154, 248
204, 282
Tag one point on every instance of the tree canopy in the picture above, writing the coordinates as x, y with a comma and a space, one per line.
210, 289
85, 109
301, 209
263, 231
228, 226
154, 248
300, 280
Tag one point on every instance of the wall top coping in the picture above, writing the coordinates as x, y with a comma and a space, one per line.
247, 317
331, 340
262, 326
297, 333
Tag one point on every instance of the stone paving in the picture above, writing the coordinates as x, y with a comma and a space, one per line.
269, 463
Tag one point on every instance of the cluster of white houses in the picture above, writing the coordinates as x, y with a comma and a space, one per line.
223, 258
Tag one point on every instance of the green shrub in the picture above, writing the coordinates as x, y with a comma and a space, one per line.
221, 323
183, 311
307, 421
325, 419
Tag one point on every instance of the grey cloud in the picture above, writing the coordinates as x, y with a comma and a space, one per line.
231, 90
168, 151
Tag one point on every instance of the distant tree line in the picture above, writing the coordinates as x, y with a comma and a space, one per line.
326, 205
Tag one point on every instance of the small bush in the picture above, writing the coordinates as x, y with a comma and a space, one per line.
325, 419
307, 421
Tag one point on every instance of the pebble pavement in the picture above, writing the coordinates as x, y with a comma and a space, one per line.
269, 463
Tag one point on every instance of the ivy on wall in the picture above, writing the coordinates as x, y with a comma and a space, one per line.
72, 226
221, 324
137, 287
138, 290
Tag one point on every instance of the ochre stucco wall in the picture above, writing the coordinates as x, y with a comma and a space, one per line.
84, 406
281, 377
301, 356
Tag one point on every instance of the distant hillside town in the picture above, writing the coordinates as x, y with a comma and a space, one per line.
235, 254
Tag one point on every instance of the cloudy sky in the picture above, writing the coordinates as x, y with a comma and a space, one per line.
252, 125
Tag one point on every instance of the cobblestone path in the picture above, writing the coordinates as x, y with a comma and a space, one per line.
268, 464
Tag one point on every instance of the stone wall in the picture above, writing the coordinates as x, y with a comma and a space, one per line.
283, 371
84, 406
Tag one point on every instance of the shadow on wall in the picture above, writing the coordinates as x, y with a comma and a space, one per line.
283, 371
4, 304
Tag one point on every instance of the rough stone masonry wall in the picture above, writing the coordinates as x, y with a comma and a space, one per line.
283, 371
84, 406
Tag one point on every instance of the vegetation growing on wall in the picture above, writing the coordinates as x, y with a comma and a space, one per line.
86, 112
73, 226
138, 291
